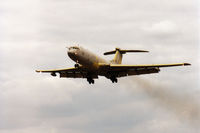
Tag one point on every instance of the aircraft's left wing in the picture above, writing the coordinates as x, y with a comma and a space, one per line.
125, 70
69, 72
116, 66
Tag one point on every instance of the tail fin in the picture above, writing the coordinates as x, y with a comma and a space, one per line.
119, 54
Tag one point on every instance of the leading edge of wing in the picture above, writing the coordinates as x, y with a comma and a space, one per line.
153, 65
55, 70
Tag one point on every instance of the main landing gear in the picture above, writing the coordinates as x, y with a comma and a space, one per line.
114, 79
90, 80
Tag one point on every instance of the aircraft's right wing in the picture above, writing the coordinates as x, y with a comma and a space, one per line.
69, 72
57, 70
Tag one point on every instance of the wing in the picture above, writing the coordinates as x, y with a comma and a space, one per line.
69, 72
115, 66
56, 70
127, 70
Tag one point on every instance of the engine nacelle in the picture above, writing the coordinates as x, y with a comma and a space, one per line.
53, 74
158, 69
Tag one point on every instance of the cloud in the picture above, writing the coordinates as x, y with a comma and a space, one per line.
34, 36
162, 28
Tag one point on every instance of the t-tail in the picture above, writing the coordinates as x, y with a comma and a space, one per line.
119, 54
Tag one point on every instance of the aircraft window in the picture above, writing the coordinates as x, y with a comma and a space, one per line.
75, 47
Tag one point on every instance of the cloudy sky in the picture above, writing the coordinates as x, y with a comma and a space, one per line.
34, 35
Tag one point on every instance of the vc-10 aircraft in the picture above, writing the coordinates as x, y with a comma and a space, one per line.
90, 66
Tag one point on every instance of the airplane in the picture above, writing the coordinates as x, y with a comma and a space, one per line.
89, 66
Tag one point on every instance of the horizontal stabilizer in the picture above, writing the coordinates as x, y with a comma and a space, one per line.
123, 51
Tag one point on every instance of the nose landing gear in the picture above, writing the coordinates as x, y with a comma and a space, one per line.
76, 65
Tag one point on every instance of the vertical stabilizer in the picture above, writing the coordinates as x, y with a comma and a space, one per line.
118, 57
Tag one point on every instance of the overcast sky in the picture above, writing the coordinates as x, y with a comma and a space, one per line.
34, 35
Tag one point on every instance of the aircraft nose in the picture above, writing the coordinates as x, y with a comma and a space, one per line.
70, 53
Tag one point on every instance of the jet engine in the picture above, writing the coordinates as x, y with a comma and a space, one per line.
53, 74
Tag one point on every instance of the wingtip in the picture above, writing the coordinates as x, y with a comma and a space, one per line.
37, 71
143, 51
186, 64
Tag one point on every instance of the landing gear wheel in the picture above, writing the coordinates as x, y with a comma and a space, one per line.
76, 65
114, 79
90, 80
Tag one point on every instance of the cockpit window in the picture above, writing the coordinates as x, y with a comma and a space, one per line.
74, 47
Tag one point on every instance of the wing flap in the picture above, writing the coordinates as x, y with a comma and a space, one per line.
72, 75
129, 72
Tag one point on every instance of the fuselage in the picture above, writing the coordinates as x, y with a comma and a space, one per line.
85, 58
